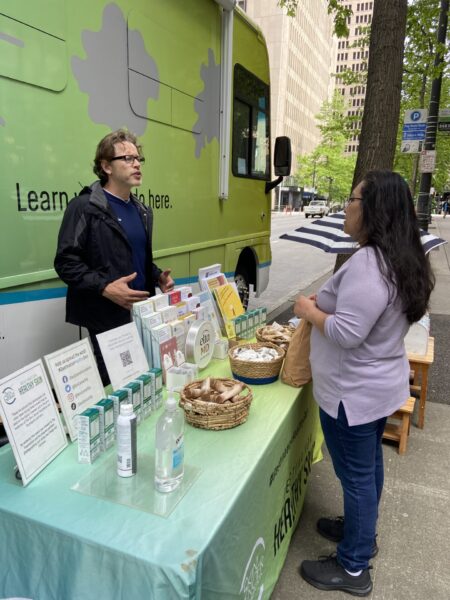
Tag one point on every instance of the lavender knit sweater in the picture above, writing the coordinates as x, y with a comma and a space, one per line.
361, 359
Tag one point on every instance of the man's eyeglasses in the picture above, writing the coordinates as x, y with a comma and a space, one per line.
129, 159
350, 200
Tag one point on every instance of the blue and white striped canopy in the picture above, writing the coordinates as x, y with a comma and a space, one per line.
328, 234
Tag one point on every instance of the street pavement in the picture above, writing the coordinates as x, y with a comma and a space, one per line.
294, 266
414, 525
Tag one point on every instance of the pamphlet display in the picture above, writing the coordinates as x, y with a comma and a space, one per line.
31, 419
230, 306
123, 354
76, 381
210, 278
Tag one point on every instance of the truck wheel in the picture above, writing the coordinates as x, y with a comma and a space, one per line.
242, 281
306, 216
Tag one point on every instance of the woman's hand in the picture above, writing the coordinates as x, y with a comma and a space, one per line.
306, 308
303, 306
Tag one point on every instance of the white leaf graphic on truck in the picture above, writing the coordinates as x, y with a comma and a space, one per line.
207, 105
104, 73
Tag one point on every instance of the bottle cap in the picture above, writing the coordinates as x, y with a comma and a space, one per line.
126, 409
171, 402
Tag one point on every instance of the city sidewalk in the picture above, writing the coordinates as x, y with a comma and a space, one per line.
414, 525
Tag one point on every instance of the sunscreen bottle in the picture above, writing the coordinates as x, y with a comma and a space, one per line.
126, 441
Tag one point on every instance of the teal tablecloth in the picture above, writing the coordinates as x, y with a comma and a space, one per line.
227, 538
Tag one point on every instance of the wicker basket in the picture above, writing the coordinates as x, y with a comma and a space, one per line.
279, 341
253, 372
210, 415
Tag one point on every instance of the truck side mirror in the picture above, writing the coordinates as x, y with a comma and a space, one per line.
282, 161
282, 156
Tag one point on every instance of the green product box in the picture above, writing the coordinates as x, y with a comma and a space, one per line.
238, 326
250, 324
136, 400
157, 397
244, 326
88, 436
263, 318
145, 381
119, 396
105, 409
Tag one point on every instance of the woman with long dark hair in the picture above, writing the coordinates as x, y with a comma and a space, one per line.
360, 370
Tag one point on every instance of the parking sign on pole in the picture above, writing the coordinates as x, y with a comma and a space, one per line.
414, 129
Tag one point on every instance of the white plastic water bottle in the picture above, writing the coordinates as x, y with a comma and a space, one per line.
169, 447
126, 441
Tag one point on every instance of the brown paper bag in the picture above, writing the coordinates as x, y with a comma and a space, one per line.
296, 369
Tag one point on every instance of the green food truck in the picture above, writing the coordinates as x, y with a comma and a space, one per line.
191, 79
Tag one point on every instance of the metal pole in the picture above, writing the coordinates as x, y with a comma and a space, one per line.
433, 112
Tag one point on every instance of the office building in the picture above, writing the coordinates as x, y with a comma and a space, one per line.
302, 54
353, 55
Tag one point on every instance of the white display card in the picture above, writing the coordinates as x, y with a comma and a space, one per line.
76, 381
123, 354
31, 419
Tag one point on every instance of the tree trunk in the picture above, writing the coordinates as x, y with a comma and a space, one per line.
384, 81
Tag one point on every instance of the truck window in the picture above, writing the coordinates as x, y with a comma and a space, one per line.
251, 148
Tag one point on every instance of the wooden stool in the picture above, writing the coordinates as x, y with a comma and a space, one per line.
399, 432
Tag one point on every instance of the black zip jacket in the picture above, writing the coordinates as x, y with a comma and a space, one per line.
93, 250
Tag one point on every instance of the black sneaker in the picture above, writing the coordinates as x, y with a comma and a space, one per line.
327, 574
333, 529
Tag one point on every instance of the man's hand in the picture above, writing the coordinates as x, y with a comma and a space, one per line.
165, 281
118, 291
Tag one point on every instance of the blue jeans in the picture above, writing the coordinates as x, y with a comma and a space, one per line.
358, 463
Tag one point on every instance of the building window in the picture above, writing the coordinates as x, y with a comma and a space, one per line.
242, 4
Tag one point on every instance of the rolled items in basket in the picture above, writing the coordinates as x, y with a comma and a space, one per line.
215, 390
276, 334
206, 412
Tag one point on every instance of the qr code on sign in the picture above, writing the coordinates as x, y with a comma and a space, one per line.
126, 359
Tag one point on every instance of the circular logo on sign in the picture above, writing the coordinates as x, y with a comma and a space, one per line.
200, 343
415, 115
8, 395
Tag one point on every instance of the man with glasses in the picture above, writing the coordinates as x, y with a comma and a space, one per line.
104, 252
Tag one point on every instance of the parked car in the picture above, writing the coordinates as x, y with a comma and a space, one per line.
316, 208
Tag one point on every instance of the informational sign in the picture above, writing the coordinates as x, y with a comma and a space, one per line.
414, 130
123, 354
444, 120
31, 419
411, 146
76, 381
427, 162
